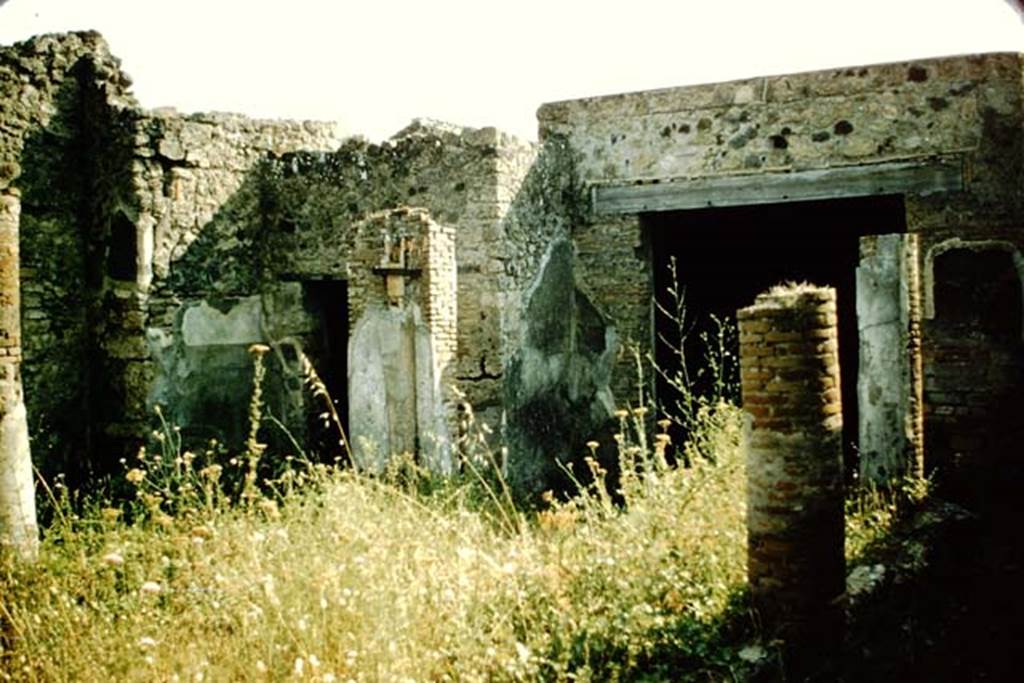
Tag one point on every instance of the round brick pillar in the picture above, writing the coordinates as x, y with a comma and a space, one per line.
789, 367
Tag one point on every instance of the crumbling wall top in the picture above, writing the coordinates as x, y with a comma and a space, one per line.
845, 81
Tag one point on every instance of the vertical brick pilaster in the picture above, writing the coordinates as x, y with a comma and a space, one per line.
421, 379
789, 367
17, 488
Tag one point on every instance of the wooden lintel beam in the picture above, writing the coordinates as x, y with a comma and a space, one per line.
902, 177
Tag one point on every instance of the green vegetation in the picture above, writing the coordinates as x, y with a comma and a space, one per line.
318, 573
228, 568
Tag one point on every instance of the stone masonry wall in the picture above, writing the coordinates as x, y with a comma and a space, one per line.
50, 87
967, 109
789, 367
197, 299
464, 178
402, 306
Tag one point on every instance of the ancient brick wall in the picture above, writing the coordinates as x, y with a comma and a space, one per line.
52, 88
966, 110
18, 527
789, 366
974, 367
464, 178
402, 301
191, 207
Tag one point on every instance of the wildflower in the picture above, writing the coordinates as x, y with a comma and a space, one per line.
640, 411
202, 531
113, 559
592, 445
269, 508
664, 423
146, 641
300, 666
211, 472
621, 414
261, 666
135, 476
150, 587
663, 438
110, 514
258, 349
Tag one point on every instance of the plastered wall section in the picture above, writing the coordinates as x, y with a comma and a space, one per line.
466, 179
178, 330
964, 108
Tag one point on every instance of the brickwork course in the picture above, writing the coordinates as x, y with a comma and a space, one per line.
157, 246
789, 368
18, 527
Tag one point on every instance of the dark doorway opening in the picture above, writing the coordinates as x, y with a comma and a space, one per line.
726, 256
327, 302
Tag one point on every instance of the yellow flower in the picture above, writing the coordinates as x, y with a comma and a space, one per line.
211, 472
202, 531
135, 475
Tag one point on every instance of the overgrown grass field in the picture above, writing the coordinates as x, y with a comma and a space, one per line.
323, 574
220, 568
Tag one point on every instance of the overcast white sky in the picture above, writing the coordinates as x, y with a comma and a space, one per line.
375, 64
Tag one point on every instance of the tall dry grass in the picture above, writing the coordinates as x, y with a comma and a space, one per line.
321, 573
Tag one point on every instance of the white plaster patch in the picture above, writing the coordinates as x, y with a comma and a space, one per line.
204, 325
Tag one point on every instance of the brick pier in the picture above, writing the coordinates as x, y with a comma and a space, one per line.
789, 367
17, 489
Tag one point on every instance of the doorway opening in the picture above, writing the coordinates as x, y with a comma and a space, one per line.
724, 257
327, 303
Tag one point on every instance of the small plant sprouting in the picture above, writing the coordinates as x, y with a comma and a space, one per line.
697, 393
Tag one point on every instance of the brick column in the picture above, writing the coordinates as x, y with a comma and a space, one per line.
789, 366
17, 490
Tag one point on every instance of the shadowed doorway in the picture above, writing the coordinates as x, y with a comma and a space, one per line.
726, 256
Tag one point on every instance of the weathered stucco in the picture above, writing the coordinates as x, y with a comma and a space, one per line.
766, 132
156, 247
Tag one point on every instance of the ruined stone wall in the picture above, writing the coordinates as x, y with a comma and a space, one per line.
56, 93
463, 178
963, 109
564, 339
179, 324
